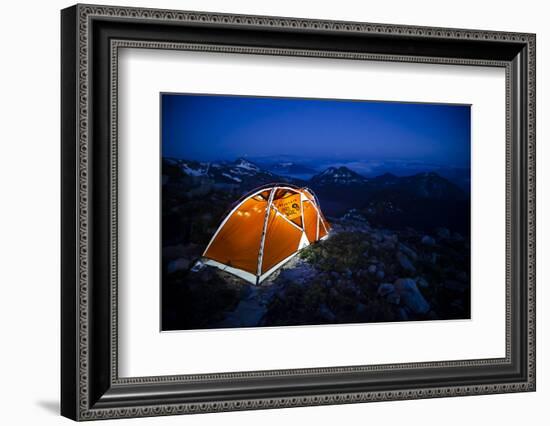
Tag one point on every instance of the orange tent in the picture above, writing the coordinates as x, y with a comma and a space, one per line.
265, 229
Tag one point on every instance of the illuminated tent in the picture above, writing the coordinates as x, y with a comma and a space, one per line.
264, 230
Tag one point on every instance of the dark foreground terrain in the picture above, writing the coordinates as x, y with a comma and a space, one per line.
384, 260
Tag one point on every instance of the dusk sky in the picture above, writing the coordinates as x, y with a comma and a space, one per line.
212, 127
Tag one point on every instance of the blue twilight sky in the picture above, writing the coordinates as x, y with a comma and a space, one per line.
213, 127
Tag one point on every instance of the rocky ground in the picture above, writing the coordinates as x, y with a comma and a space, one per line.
361, 273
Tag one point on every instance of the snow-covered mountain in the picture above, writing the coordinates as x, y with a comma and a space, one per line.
338, 176
240, 172
420, 200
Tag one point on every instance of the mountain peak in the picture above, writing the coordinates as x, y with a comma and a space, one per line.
245, 164
338, 175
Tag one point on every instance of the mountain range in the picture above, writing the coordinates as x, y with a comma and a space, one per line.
421, 200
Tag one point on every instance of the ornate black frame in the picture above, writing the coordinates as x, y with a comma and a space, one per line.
91, 37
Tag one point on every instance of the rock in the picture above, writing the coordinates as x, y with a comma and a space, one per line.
389, 242
348, 287
402, 314
443, 233
248, 313
372, 269
247, 292
421, 282
433, 258
408, 251
388, 292
405, 262
387, 245
411, 296
300, 273
198, 266
393, 298
393, 238
180, 264
377, 236
325, 313
385, 288
380, 274
427, 240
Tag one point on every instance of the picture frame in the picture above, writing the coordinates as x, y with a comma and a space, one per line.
90, 384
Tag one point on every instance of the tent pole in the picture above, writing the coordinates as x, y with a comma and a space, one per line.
302, 213
318, 220
226, 218
264, 231
286, 219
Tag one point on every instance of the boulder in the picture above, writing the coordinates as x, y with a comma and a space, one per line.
385, 288
421, 282
377, 236
380, 274
389, 293
411, 296
427, 240
372, 269
405, 262
408, 251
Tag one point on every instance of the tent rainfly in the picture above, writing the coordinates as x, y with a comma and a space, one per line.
264, 230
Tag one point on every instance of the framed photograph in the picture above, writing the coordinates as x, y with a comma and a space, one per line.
263, 212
